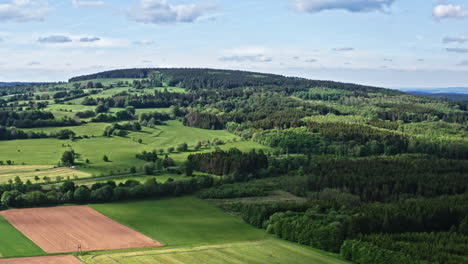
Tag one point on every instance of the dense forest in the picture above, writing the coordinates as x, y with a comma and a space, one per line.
380, 176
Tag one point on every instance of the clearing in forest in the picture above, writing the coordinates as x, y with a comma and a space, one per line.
74, 228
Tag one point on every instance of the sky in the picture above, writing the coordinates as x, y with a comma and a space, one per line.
386, 43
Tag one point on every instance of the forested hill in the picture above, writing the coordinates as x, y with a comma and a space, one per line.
194, 79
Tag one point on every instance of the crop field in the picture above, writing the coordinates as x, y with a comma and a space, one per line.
13, 243
180, 221
62, 259
29, 172
65, 228
259, 252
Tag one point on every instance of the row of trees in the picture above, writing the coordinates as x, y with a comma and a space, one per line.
27, 195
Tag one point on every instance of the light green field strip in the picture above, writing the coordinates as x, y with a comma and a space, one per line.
14, 244
30, 172
266, 251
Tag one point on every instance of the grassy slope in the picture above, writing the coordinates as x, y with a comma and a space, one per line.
15, 244
259, 252
181, 221
120, 150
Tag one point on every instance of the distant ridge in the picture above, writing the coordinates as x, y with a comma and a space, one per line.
440, 90
10, 84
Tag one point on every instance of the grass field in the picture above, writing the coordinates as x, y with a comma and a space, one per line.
266, 251
29, 172
15, 244
181, 221
120, 150
160, 178
89, 129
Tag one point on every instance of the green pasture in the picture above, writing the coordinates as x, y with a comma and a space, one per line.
181, 221
120, 150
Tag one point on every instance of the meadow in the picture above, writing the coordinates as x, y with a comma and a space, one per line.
120, 150
36, 173
180, 221
258, 252
14, 244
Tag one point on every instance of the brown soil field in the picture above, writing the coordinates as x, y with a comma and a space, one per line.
65, 259
67, 228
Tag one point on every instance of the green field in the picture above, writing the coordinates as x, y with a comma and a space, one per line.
15, 244
259, 252
89, 129
29, 172
120, 150
181, 221
160, 178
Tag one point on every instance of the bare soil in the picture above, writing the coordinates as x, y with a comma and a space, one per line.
65, 259
74, 228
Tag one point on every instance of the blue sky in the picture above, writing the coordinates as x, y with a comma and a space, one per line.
388, 43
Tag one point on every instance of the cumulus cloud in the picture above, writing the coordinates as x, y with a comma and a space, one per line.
311, 60
314, 6
89, 39
455, 39
161, 12
457, 50
388, 60
449, 11
54, 39
23, 11
343, 49
87, 3
463, 63
246, 58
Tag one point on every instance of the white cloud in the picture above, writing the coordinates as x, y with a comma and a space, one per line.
89, 39
449, 11
457, 50
34, 63
314, 6
80, 41
23, 11
54, 39
311, 60
161, 12
246, 58
87, 3
460, 40
343, 49
143, 42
